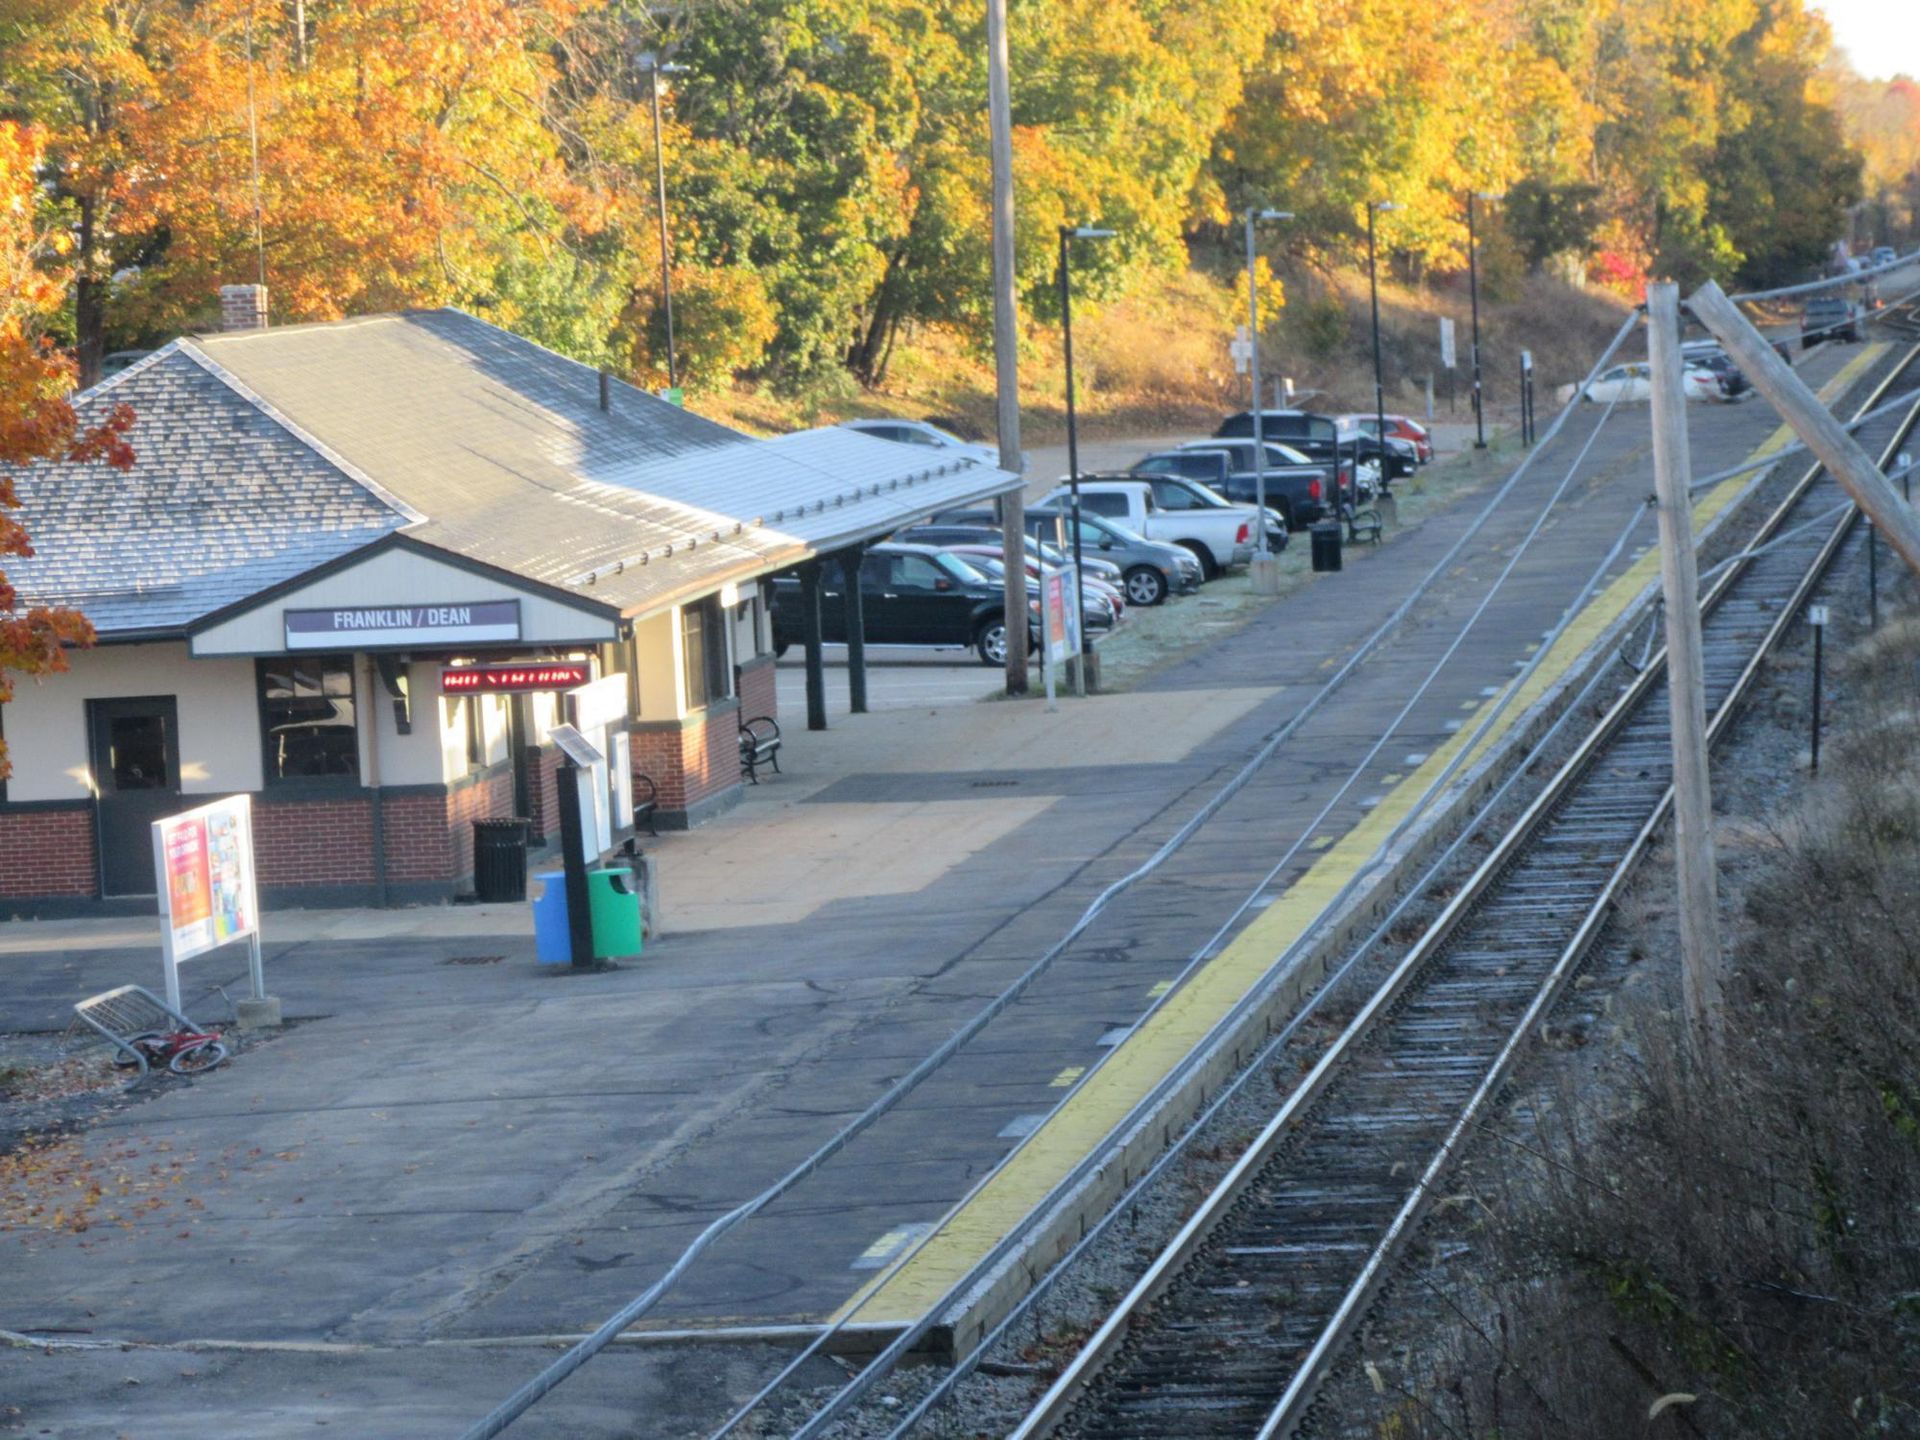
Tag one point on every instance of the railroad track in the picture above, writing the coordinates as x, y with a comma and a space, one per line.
1232, 1329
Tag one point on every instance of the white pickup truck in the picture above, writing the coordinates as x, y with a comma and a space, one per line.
1173, 510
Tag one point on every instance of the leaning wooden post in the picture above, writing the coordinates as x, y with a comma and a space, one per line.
1801, 408
1686, 680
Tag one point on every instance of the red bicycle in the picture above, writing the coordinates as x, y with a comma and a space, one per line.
184, 1052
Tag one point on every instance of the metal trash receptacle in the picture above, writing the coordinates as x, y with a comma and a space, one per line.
1325, 536
500, 859
613, 900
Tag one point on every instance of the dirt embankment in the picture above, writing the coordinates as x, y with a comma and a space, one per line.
1647, 1245
1158, 361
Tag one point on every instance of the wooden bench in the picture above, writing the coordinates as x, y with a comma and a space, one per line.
123, 1015
759, 745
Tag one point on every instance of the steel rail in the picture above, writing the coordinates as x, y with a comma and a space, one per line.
1307, 1378
1059, 1400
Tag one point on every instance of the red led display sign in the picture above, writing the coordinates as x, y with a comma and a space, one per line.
515, 679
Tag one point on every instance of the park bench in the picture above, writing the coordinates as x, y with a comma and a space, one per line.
127, 1012
759, 745
645, 802
1361, 525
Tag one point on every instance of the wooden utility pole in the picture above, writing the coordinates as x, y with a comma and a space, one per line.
1006, 345
1801, 409
1686, 679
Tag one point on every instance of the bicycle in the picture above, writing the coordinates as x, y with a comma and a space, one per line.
183, 1051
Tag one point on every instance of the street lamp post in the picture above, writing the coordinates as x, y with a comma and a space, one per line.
1265, 570
1068, 233
1379, 386
655, 68
1473, 290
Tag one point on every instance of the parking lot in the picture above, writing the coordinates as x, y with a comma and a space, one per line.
899, 677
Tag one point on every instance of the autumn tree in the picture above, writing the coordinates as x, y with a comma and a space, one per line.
36, 421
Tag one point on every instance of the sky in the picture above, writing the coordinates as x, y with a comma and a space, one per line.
1881, 37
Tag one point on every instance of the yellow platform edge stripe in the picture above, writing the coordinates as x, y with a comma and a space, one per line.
1162, 1041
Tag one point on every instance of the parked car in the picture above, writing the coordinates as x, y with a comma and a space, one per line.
1150, 570
1707, 355
1399, 427
1392, 457
1829, 317
1218, 534
1038, 560
1098, 613
1883, 255
1296, 487
1625, 384
909, 595
980, 528
924, 432
1207, 468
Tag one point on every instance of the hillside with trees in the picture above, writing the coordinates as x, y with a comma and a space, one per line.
826, 159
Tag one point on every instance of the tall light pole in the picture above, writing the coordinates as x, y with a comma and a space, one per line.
1473, 289
1265, 570
655, 68
1069, 233
1006, 337
1374, 208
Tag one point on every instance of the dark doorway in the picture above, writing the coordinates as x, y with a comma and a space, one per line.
136, 775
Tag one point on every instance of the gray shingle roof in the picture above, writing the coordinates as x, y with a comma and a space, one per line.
220, 504
265, 452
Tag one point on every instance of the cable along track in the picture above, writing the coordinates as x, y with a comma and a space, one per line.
1231, 1330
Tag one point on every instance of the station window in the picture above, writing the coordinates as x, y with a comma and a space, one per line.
703, 635
307, 718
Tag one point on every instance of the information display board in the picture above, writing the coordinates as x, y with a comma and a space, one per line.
515, 679
205, 879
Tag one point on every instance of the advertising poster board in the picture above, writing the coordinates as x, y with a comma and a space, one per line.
1055, 611
208, 891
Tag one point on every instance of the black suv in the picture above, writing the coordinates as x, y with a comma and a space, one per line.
1322, 439
909, 595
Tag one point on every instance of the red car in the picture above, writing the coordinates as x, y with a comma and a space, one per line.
1400, 427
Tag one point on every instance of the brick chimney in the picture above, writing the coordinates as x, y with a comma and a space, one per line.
243, 307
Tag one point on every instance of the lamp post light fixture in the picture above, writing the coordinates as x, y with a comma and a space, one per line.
654, 68
1473, 289
1374, 208
1265, 570
1070, 233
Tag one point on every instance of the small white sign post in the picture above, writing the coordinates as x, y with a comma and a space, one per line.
209, 895
1447, 355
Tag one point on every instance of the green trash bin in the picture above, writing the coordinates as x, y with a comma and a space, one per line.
613, 902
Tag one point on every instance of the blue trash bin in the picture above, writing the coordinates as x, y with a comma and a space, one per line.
552, 941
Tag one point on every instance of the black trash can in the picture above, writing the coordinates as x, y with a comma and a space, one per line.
1326, 545
500, 859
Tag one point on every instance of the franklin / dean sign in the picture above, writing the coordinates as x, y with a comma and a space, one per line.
358, 627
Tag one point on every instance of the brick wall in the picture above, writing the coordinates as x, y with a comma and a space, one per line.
414, 828
48, 853
758, 693
693, 762
488, 798
543, 793
318, 840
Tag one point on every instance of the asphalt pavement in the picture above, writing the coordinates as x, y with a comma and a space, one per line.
454, 1146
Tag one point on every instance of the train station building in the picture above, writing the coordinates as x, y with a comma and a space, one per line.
360, 570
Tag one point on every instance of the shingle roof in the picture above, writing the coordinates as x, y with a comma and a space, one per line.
480, 443
220, 503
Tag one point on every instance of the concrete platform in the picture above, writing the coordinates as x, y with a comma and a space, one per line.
481, 1150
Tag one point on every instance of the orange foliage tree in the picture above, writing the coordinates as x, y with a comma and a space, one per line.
36, 422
